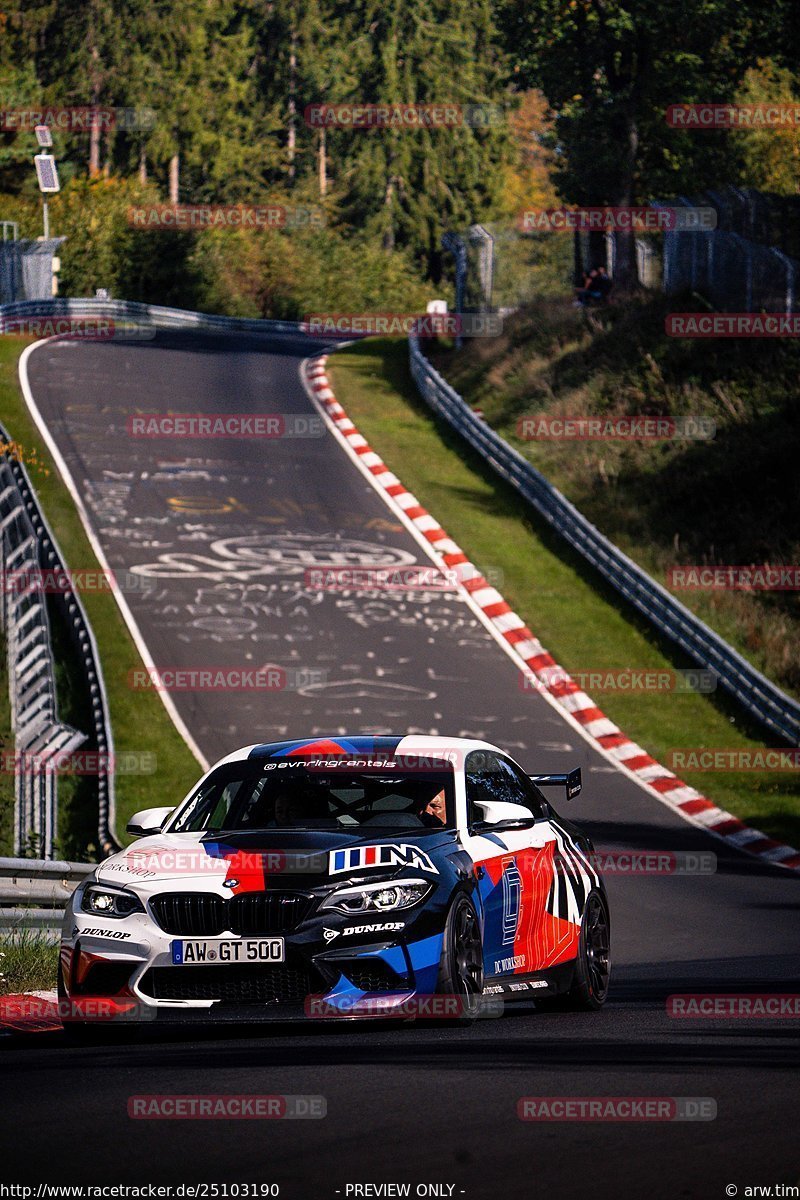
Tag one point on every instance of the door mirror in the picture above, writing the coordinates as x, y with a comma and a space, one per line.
500, 814
148, 821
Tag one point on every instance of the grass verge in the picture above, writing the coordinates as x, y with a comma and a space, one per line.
139, 721
577, 617
28, 961
731, 499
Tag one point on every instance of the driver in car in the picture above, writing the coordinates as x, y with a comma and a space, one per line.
434, 813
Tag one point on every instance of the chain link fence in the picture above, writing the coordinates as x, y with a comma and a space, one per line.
26, 268
730, 271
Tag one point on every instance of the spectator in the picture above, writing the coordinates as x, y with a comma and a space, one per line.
596, 288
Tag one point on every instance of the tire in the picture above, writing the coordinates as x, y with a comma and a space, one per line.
589, 988
461, 965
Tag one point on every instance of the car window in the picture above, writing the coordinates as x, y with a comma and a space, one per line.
529, 794
254, 795
489, 776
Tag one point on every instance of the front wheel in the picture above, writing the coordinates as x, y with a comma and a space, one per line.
461, 966
589, 987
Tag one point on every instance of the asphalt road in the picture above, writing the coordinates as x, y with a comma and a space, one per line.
224, 531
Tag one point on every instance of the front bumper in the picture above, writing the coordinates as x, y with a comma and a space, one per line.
331, 969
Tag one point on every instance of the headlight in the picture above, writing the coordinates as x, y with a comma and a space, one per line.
103, 901
378, 897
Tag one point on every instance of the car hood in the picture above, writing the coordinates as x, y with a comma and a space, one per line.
266, 858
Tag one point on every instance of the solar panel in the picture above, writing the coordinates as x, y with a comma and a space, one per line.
44, 135
46, 173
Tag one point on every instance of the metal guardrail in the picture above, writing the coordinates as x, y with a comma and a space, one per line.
27, 550
36, 790
156, 316
761, 698
34, 892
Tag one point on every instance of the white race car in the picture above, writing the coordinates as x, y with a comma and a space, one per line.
341, 877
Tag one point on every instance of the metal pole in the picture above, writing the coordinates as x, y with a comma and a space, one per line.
45, 218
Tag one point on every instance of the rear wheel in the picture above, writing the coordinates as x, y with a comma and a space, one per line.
461, 967
589, 987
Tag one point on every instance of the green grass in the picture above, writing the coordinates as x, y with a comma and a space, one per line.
28, 961
139, 720
565, 604
731, 500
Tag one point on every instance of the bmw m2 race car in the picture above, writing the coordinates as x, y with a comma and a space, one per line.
342, 877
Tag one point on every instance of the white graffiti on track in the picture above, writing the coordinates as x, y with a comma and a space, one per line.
365, 689
243, 558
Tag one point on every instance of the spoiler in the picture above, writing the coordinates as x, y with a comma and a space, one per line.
571, 780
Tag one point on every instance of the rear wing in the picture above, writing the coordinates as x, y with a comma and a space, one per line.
571, 780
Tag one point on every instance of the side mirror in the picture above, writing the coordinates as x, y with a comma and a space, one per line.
148, 821
500, 814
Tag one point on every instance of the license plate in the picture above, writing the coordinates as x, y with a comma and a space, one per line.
193, 952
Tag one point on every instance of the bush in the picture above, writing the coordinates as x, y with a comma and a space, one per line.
239, 273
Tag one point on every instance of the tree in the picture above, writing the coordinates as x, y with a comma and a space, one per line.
408, 185
610, 69
529, 176
771, 156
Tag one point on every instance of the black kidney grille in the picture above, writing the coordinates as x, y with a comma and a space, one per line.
278, 984
268, 912
254, 914
190, 914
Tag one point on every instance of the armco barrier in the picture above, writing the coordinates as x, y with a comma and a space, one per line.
36, 807
761, 698
155, 315
33, 892
28, 547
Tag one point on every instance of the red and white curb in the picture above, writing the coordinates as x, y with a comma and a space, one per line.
552, 681
30, 1012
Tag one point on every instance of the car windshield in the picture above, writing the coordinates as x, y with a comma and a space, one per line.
256, 795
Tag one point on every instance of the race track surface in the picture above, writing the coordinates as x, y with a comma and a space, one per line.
220, 534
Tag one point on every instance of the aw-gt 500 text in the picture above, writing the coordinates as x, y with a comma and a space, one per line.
357, 876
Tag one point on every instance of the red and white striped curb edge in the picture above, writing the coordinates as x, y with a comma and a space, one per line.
685, 800
30, 1012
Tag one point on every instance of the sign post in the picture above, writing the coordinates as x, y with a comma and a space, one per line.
46, 173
